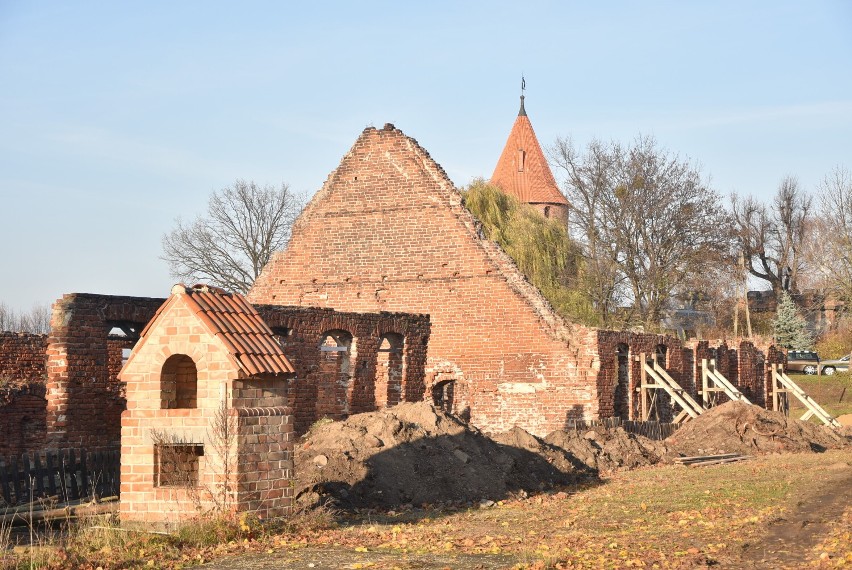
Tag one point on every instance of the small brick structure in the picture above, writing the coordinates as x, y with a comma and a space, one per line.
207, 425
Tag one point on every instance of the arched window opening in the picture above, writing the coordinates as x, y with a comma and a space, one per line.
621, 405
389, 363
547, 211
335, 378
179, 383
443, 395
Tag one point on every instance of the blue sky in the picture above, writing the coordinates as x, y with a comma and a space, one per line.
118, 117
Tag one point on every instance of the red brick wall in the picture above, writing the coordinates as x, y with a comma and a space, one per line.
22, 418
22, 389
320, 388
388, 232
84, 397
22, 357
679, 364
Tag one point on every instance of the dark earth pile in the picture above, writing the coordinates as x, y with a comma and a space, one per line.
413, 453
608, 450
735, 427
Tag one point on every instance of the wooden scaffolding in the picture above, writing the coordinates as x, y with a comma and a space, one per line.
654, 378
783, 385
714, 383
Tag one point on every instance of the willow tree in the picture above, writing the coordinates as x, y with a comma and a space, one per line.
540, 247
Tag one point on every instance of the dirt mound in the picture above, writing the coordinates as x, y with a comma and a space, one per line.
735, 427
413, 453
608, 449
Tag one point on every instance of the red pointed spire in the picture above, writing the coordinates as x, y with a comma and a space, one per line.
522, 170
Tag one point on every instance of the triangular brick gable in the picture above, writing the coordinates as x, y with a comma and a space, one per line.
522, 170
422, 184
388, 231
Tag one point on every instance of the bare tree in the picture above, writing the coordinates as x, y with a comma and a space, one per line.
772, 237
648, 221
36, 321
245, 224
588, 182
8, 319
832, 258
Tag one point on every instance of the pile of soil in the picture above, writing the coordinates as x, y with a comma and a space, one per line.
608, 449
415, 454
735, 427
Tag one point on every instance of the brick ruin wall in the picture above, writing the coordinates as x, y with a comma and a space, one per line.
22, 392
84, 397
744, 362
62, 390
363, 377
410, 245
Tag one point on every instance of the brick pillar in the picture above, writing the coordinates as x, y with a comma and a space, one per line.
57, 383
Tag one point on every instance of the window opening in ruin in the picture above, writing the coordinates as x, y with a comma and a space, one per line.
282, 335
661, 354
125, 354
389, 365
179, 383
443, 395
177, 464
621, 404
124, 330
547, 211
335, 380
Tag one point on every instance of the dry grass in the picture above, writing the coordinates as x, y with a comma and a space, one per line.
671, 516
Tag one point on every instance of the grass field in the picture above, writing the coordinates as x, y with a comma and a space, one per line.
834, 393
662, 517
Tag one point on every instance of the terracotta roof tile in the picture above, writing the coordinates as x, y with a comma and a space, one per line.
522, 170
243, 332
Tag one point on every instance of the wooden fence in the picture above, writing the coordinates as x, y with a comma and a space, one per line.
651, 430
67, 474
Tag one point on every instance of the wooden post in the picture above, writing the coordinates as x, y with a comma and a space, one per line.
643, 381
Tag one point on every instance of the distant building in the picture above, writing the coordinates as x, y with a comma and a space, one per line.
820, 310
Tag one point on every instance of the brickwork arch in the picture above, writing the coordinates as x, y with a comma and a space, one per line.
448, 389
178, 383
390, 363
338, 359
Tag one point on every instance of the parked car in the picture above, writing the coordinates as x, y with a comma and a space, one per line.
829, 367
804, 361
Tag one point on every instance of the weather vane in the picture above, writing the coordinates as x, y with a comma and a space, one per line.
523, 84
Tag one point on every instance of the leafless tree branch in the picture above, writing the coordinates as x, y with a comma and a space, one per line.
244, 225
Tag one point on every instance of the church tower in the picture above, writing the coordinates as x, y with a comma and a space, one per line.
523, 172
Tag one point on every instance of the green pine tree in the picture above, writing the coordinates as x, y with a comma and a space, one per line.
790, 329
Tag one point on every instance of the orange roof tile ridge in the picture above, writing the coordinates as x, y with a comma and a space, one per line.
533, 181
